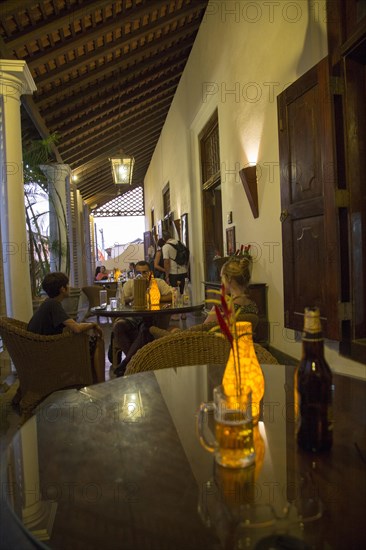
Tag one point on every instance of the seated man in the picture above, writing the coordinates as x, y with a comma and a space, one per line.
51, 318
126, 331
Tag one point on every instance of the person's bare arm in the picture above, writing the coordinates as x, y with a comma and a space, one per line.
167, 269
156, 262
78, 328
166, 297
165, 291
211, 317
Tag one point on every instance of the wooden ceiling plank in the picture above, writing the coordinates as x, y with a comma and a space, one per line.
32, 109
137, 35
148, 125
124, 65
106, 126
81, 129
152, 61
103, 151
92, 35
49, 24
105, 137
135, 99
9, 8
63, 111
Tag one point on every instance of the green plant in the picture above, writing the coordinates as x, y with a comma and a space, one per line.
35, 192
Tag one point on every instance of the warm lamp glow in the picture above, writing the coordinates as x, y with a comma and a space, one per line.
243, 372
154, 293
122, 169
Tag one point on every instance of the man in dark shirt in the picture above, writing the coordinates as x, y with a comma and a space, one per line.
51, 318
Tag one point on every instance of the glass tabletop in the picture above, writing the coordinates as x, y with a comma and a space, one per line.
119, 465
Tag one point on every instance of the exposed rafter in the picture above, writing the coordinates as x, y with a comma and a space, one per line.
106, 73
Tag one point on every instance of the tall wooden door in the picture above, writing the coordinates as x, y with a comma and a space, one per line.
212, 224
211, 197
311, 262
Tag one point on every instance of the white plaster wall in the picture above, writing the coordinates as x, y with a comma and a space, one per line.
245, 54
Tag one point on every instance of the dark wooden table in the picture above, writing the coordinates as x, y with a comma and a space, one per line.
119, 466
107, 284
129, 311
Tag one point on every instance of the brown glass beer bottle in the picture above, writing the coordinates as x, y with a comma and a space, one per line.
313, 389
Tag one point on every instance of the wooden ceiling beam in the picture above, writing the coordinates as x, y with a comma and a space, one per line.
84, 103
104, 122
93, 57
124, 66
104, 97
52, 23
10, 8
32, 109
154, 119
103, 151
102, 135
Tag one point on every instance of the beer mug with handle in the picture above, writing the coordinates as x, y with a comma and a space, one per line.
233, 445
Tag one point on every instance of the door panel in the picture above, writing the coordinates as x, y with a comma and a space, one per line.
309, 213
212, 231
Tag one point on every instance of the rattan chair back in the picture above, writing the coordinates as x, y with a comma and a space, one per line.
180, 349
71, 303
45, 363
92, 294
248, 317
187, 348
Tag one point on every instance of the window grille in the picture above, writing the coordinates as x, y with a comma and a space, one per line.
131, 203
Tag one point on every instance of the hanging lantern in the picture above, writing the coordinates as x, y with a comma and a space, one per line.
122, 169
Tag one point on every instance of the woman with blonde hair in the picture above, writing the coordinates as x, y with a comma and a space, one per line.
235, 276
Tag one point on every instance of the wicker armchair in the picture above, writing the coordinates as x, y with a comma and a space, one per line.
71, 303
180, 349
45, 363
92, 293
248, 317
187, 347
205, 327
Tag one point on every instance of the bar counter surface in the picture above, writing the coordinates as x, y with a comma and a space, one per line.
118, 465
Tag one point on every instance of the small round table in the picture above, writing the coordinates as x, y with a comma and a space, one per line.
129, 311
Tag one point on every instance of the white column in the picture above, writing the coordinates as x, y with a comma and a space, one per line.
38, 513
58, 176
15, 80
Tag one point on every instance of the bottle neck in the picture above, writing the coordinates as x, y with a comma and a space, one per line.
313, 343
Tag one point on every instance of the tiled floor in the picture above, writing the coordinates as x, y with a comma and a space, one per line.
10, 421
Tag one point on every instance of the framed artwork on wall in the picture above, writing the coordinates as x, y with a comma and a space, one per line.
148, 243
230, 241
176, 226
160, 229
184, 229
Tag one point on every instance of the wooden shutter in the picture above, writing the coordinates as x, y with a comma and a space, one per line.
311, 259
73, 237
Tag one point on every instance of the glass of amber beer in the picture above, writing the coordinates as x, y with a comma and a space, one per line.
233, 445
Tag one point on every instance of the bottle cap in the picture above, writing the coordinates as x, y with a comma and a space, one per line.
312, 323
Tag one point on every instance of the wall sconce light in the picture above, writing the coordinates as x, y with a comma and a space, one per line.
248, 178
122, 169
